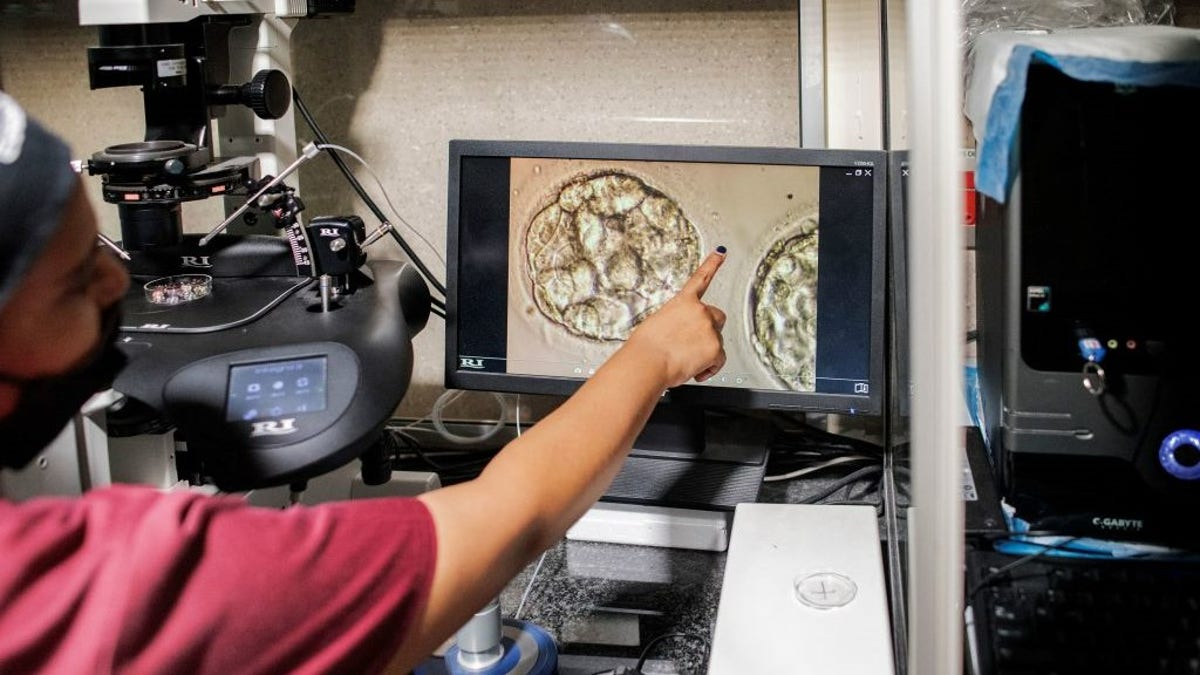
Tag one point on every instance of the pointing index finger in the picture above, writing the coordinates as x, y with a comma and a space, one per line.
703, 276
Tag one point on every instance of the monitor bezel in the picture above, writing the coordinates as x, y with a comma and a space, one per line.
901, 378
700, 395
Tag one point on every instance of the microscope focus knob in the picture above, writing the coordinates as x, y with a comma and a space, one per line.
268, 94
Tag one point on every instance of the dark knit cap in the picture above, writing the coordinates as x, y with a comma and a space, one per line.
36, 181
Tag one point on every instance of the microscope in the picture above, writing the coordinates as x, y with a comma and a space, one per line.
271, 347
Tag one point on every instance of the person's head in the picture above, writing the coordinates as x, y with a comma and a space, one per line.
58, 291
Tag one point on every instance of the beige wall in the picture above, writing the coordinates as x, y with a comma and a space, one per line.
397, 80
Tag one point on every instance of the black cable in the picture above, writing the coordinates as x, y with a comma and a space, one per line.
818, 450
860, 489
995, 576
992, 537
1107, 398
666, 636
811, 436
434, 310
411, 443
848, 479
448, 474
362, 193
1141, 441
1046, 548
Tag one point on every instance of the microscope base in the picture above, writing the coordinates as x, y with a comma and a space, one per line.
528, 650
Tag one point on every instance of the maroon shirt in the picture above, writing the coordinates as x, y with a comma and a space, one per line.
129, 579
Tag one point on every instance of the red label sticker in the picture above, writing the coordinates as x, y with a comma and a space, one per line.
969, 195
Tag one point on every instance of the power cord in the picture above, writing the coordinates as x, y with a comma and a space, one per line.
529, 586
831, 462
1002, 572
803, 435
849, 479
670, 636
322, 139
386, 197
457, 471
449, 396
449, 473
637, 670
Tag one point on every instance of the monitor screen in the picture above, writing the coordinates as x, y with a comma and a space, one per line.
275, 388
558, 250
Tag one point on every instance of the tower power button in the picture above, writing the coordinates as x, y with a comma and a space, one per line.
1179, 454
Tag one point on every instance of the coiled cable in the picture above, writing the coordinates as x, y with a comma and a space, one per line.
451, 395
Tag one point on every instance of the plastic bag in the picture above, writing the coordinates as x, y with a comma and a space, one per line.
983, 16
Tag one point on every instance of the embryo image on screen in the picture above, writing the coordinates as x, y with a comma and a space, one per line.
606, 252
783, 305
596, 246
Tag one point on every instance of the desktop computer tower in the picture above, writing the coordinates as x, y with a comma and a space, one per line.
1087, 283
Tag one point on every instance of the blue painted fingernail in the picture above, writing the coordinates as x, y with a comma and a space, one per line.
721, 250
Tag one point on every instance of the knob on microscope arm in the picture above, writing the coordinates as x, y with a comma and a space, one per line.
268, 94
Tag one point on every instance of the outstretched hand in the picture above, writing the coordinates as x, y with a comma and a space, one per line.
685, 332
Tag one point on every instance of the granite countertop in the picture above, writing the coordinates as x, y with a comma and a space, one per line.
604, 603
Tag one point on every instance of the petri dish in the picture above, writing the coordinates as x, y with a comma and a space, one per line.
178, 289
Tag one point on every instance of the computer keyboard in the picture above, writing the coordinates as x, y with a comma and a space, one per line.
1058, 615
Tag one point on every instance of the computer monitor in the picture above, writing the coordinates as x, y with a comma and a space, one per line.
901, 382
558, 250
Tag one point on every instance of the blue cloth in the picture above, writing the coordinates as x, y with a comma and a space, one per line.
998, 160
1021, 542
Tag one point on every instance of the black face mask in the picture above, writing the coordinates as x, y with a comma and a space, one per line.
48, 403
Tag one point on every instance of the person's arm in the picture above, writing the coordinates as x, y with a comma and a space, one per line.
542, 482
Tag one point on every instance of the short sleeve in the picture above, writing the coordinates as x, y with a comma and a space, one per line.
127, 579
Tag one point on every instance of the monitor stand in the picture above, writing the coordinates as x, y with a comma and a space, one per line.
687, 471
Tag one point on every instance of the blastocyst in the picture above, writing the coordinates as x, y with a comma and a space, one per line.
783, 307
605, 252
